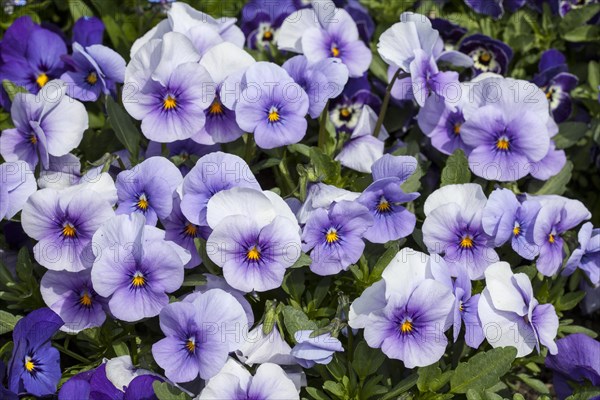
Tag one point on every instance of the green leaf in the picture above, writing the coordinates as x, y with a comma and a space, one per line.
303, 261
401, 387
474, 395
569, 134
366, 360
483, 370
123, 125
326, 168
535, 384
584, 393
295, 320
518, 396
79, 9
569, 301
317, 394
558, 183
24, 265
577, 329
594, 74
206, 261
194, 280
578, 17
585, 33
336, 389
293, 284
12, 89
456, 169
7, 321
426, 375
164, 391
413, 183
120, 349
385, 260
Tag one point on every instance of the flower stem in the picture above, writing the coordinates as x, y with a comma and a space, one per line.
386, 100
323, 127
72, 354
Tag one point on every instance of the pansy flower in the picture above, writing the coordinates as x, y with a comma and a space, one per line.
30, 56
407, 317
235, 382
334, 236
201, 29
34, 367
255, 238
555, 80
72, 297
272, 106
518, 319
489, 55
383, 199
212, 173
505, 218
18, 183
321, 196
148, 189
261, 20
557, 215
321, 81
198, 335
453, 228
587, 255
315, 350
344, 111
260, 348
325, 31
135, 267
167, 89
92, 71
46, 124
63, 223
465, 311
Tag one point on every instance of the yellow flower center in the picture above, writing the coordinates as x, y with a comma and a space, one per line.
466, 242
456, 129
190, 230
169, 103
142, 203
92, 78
42, 79
485, 57
335, 51
406, 326
384, 206
549, 94
32, 139
268, 36
253, 254
190, 345
461, 307
138, 280
551, 238
86, 299
503, 143
29, 365
516, 230
332, 236
274, 115
216, 108
69, 231
344, 112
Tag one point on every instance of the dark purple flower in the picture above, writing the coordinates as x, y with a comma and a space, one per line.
261, 20
88, 31
344, 111
34, 367
334, 237
577, 360
30, 55
489, 55
450, 32
92, 384
494, 8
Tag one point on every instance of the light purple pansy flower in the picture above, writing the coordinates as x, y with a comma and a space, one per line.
315, 350
198, 335
334, 237
46, 124
135, 267
508, 132
384, 196
587, 255
212, 173
222, 61
320, 195
167, 89
453, 228
92, 71
363, 149
511, 316
259, 348
323, 80
465, 312
72, 297
558, 215
325, 31
148, 189
272, 106
235, 382
63, 223
201, 29
17, 183
407, 317
255, 237
505, 218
